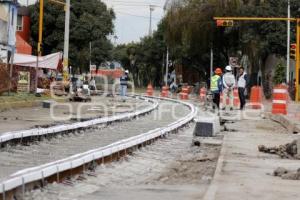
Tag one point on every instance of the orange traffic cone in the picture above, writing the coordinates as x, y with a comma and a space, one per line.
150, 90
202, 94
165, 91
280, 100
256, 97
236, 99
184, 94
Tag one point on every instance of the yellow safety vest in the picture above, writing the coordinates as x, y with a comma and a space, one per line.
214, 83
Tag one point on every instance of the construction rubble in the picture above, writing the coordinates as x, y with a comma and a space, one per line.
288, 150
287, 174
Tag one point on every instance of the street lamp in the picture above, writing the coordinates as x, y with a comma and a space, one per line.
150, 24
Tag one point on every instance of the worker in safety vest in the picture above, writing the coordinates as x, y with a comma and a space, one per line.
216, 86
228, 87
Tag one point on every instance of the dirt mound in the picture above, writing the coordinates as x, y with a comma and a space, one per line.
288, 150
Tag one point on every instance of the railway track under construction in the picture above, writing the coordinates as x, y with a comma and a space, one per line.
81, 147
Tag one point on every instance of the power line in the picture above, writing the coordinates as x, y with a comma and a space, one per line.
141, 16
137, 5
132, 4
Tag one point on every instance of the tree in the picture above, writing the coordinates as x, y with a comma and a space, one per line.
90, 21
144, 59
279, 76
194, 31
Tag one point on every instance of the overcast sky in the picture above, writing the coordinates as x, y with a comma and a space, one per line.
132, 17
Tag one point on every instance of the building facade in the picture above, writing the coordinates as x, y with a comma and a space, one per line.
23, 31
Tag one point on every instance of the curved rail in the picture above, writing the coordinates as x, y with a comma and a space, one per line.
20, 135
52, 171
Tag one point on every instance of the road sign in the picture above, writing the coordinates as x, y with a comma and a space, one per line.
233, 61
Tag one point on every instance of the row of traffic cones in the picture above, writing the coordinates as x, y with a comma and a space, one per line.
279, 105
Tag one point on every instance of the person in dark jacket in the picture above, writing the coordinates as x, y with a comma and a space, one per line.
243, 81
123, 83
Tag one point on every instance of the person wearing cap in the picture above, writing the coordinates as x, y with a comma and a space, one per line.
216, 86
123, 83
228, 86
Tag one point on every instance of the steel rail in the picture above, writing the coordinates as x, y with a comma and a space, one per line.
55, 171
20, 135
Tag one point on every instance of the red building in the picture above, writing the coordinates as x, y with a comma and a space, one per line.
23, 32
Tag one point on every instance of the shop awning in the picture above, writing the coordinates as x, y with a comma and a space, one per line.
48, 62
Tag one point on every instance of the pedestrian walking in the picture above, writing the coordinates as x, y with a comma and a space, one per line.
228, 86
123, 84
243, 81
216, 86
92, 84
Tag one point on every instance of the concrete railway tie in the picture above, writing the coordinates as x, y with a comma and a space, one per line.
23, 168
25, 135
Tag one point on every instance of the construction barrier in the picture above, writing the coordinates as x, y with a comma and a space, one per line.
236, 99
256, 97
202, 94
150, 90
184, 94
190, 89
221, 100
280, 100
165, 91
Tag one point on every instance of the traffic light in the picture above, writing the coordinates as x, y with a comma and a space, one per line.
225, 23
293, 51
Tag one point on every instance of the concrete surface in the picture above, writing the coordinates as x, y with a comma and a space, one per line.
32, 117
245, 173
169, 169
291, 121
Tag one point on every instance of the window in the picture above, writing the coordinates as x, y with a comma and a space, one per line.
19, 23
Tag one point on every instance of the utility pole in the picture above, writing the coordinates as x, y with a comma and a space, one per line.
39, 51
211, 60
150, 24
167, 66
167, 57
288, 44
66, 41
90, 54
115, 40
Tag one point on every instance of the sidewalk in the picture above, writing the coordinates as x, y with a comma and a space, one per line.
245, 173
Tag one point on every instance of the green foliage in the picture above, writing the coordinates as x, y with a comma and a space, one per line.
191, 31
91, 21
279, 76
145, 58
